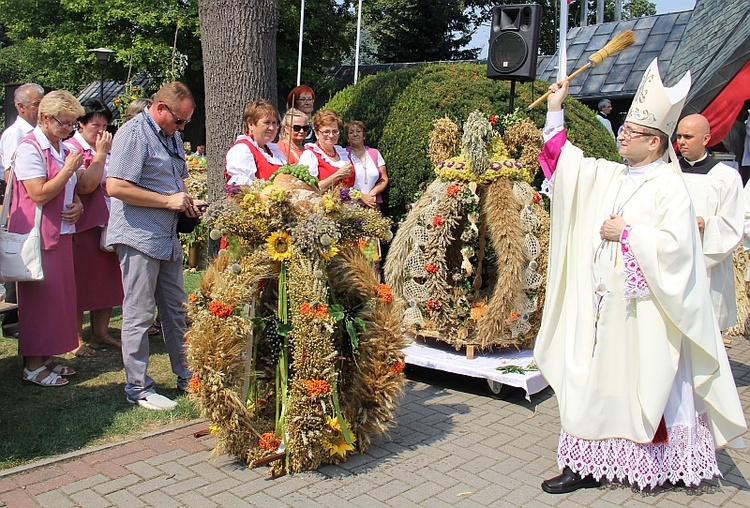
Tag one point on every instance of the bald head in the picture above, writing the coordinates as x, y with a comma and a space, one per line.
693, 135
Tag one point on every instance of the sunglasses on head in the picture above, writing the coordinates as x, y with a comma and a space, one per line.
303, 128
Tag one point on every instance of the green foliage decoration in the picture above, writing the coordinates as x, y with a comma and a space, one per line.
398, 108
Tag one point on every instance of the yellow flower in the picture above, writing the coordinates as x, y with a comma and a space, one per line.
339, 446
277, 194
213, 429
279, 246
329, 253
334, 424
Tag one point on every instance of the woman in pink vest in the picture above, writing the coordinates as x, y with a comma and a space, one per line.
98, 277
45, 176
326, 160
370, 177
253, 154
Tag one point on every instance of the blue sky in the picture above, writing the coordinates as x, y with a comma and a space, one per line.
481, 37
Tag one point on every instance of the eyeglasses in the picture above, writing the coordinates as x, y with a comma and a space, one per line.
177, 119
330, 132
303, 128
628, 133
305, 99
64, 125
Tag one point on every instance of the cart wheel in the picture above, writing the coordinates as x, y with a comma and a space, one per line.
497, 390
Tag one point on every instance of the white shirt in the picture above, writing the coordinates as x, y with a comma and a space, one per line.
34, 166
9, 141
308, 158
606, 123
366, 171
241, 166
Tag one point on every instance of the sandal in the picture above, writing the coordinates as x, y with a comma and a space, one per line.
59, 369
107, 340
153, 331
52, 380
83, 351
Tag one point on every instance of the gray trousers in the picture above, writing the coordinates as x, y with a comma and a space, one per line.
148, 282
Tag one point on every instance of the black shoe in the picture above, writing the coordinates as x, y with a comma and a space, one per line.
568, 481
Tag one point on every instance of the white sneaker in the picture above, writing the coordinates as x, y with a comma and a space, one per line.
155, 402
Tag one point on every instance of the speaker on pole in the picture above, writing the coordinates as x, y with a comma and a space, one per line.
514, 42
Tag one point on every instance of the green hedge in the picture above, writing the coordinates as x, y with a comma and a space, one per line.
398, 108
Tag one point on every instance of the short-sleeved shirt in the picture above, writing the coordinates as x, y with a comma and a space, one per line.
143, 155
10, 139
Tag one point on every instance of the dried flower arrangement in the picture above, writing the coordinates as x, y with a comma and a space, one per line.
469, 259
295, 345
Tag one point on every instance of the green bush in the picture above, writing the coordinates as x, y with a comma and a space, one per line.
398, 108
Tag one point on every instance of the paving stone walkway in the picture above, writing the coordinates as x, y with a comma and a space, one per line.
452, 445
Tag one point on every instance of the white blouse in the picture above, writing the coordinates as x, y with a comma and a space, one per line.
241, 166
309, 159
366, 171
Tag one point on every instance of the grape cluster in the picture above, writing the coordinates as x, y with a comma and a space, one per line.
273, 338
298, 171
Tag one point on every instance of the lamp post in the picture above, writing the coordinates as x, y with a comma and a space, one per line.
102, 55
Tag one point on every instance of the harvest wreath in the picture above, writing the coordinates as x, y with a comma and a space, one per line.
469, 260
295, 344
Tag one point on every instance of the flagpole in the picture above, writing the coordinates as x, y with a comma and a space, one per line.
356, 53
562, 62
299, 54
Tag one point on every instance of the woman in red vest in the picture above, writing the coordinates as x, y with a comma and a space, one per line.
253, 154
326, 160
98, 277
44, 179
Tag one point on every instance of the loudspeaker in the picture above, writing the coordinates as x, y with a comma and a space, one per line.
514, 42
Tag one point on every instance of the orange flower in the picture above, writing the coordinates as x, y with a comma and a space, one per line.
218, 309
433, 304
385, 293
431, 268
397, 366
537, 197
452, 190
513, 317
437, 221
269, 441
478, 310
317, 387
321, 311
305, 309
195, 384
192, 298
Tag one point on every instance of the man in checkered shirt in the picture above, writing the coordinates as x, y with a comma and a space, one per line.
145, 179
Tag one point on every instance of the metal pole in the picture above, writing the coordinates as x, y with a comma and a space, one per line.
356, 52
101, 83
511, 103
299, 55
584, 13
599, 12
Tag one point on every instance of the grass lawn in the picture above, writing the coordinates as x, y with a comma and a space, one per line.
38, 422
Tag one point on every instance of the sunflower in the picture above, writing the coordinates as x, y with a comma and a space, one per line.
279, 246
329, 253
339, 446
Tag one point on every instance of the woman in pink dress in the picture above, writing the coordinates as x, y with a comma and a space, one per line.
45, 176
98, 277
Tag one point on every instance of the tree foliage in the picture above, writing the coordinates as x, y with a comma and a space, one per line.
329, 36
420, 30
48, 40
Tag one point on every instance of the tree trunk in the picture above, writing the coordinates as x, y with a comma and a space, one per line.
238, 38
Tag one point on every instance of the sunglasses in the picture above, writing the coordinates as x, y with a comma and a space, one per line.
303, 128
177, 119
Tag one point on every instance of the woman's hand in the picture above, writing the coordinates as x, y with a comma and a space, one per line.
369, 200
73, 212
103, 142
73, 161
344, 171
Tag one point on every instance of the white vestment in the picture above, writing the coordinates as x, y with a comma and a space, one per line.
718, 199
612, 361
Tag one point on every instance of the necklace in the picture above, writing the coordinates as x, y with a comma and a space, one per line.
331, 155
